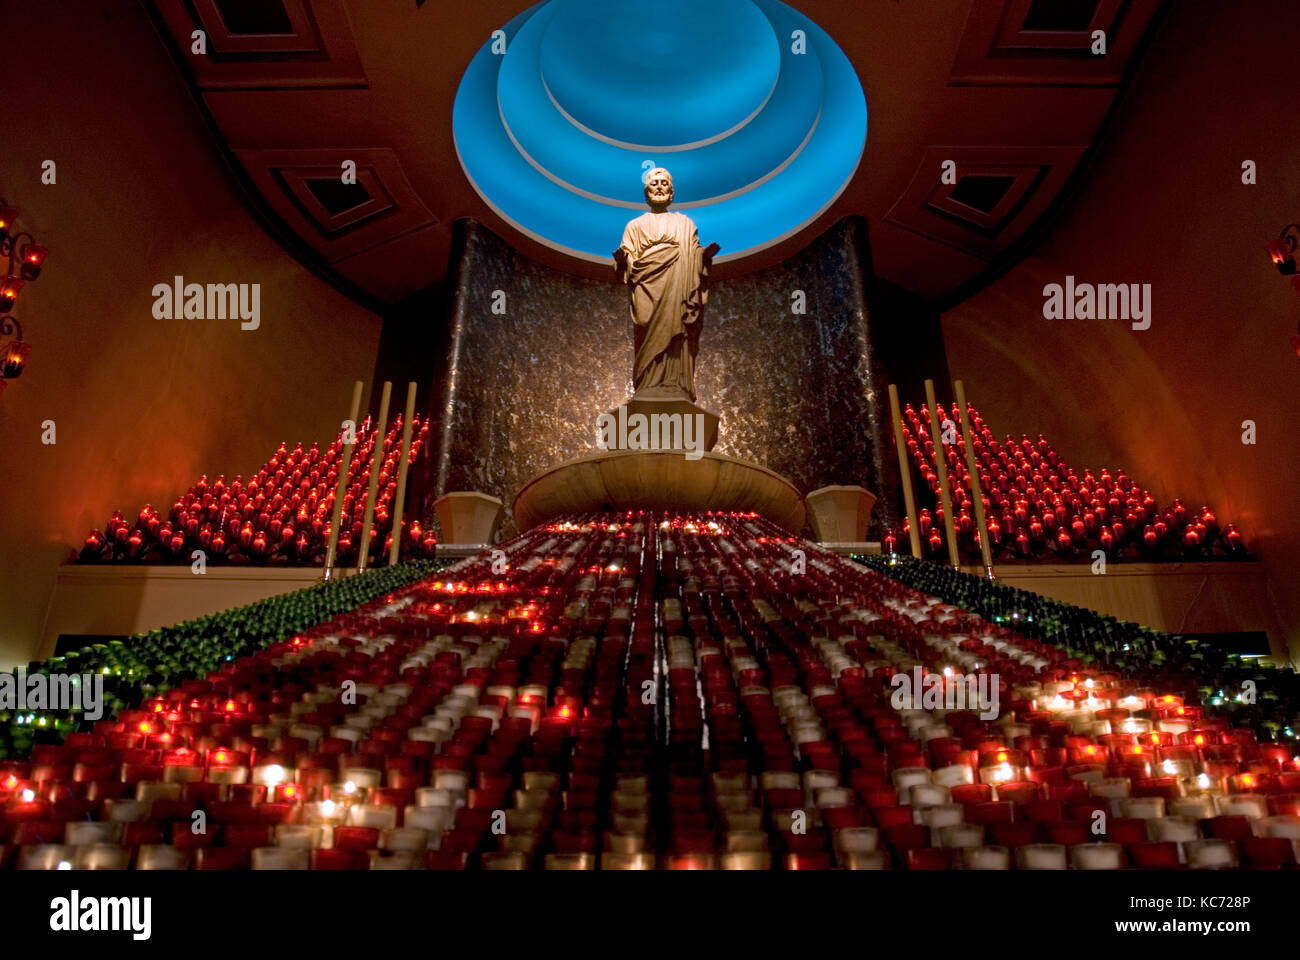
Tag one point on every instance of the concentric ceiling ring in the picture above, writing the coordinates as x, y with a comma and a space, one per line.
755, 110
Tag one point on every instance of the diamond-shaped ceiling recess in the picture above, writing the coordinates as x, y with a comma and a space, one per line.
753, 108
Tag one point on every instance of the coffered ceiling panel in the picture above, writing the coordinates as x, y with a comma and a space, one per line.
265, 43
996, 193
1050, 42
306, 189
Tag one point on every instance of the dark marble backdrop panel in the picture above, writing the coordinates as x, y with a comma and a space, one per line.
536, 355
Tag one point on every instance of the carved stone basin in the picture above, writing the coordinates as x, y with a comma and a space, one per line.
658, 480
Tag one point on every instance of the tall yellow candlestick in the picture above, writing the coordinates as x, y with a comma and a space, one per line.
905, 471
376, 463
941, 467
399, 502
972, 467
332, 547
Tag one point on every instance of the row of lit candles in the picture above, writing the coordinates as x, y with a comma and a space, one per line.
299, 518
1027, 529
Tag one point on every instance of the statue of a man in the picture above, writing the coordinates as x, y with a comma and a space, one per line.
661, 260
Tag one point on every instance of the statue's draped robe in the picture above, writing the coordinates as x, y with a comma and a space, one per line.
667, 272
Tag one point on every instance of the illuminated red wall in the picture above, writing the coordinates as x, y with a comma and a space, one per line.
1166, 205
141, 406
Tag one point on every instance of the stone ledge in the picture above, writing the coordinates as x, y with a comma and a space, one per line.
658, 480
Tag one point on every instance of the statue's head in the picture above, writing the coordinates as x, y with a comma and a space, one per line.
659, 188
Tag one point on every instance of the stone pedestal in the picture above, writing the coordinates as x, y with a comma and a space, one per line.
665, 413
658, 480
840, 514
467, 517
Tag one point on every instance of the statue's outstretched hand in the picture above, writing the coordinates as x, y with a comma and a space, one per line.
711, 251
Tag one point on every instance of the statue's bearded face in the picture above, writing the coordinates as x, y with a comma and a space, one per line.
659, 187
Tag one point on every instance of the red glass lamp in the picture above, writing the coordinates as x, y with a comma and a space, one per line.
14, 353
10, 287
1282, 250
33, 258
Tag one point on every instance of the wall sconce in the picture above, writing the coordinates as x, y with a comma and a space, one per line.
26, 258
1282, 250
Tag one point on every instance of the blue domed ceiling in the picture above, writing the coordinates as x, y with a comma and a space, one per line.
753, 108
551, 139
